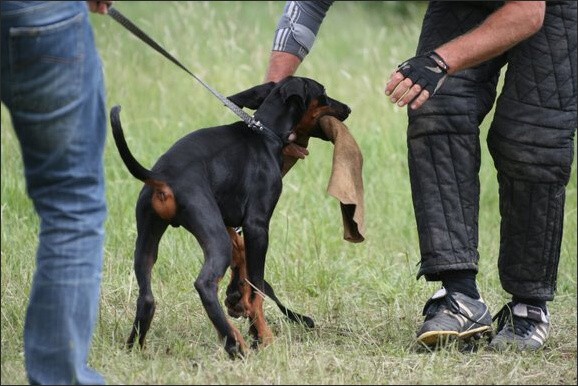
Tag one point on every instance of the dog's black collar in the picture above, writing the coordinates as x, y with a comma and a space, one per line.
256, 125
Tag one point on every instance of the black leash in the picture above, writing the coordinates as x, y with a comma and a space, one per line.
126, 23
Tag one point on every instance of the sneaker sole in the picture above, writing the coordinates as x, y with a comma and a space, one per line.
514, 345
432, 338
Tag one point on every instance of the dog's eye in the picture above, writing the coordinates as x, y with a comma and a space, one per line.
323, 100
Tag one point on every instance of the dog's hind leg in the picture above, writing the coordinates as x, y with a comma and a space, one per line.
259, 329
150, 229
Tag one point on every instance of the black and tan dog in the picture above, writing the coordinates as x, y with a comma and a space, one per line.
221, 177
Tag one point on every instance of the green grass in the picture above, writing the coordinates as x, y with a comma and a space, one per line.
363, 297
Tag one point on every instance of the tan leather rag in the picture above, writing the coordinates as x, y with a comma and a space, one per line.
346, 181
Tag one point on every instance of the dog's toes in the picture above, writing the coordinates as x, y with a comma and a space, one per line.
236, 353
260, 338
258, 342
235, 350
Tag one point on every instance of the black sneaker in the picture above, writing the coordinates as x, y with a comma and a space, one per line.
453, 315
522, 327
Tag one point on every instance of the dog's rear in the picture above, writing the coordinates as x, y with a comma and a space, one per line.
163, 199
221, 177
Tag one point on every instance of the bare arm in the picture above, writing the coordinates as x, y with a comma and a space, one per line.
294, 36
281, 65
514, 22
503, 29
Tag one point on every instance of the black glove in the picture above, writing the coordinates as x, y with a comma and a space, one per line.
429, 71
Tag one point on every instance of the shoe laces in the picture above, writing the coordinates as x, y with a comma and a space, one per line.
506, 319
434, 305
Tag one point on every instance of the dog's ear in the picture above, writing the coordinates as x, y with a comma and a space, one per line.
297, 89
253, 97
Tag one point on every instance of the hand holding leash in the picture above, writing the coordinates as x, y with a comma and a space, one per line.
99, 6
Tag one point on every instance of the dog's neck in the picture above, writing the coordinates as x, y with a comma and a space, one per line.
263, 129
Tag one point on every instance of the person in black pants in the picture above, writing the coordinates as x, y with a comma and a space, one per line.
449, 87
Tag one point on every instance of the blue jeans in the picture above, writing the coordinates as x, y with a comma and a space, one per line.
53, 87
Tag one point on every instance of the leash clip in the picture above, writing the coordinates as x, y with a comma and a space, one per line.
255, 124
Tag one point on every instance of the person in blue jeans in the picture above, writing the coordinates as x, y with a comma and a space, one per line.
53, 87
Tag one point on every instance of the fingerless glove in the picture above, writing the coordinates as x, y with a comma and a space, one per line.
429, 71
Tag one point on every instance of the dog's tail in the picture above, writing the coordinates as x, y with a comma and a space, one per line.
134, 167
163, 199
292, 315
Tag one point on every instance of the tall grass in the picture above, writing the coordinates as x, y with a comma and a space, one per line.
364, 297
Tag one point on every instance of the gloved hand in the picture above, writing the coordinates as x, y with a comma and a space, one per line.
429, 71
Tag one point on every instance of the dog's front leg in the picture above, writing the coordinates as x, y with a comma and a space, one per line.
238, 283
259, 328
256, 243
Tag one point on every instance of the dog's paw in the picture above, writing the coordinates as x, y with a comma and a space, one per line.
236, 347
262, 335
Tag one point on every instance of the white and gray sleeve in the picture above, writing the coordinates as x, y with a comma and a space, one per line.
298, 26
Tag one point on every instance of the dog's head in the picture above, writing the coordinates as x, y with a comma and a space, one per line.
292, 107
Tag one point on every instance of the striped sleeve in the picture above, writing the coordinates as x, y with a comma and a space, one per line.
298, 26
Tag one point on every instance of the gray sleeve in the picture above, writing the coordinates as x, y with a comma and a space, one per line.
298, 26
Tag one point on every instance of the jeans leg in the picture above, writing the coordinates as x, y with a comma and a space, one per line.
52, 84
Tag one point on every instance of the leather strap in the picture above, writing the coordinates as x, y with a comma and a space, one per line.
126, 23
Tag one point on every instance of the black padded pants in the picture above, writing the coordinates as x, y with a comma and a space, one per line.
530, 139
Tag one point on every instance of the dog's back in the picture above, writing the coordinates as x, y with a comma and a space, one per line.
228, 161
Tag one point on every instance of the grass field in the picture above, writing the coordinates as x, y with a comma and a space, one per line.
364, 297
